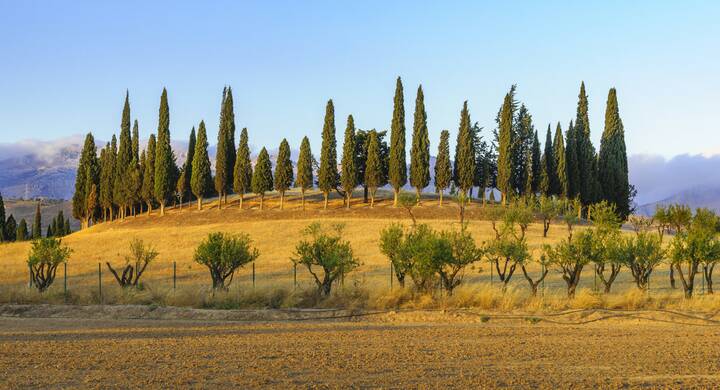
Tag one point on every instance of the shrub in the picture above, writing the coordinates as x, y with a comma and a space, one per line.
46, 254
223, 254
325, 255
140, 257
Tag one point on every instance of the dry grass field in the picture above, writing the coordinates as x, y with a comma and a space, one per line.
423, 350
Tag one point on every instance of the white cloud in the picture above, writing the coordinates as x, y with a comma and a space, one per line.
657, 178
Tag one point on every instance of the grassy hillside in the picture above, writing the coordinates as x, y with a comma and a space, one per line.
275, 233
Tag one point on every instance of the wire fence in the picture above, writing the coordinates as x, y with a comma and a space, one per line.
169, 276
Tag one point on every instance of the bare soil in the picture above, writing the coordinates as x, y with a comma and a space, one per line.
135, 346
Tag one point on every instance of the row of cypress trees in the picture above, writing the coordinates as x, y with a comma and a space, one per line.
123, 180
11, 230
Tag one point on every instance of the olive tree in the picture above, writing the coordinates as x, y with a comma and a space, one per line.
695, 246
548, 209
641, 254
46, 254
509, 248
458, 250
569, 258
223, 254
605, 233
325, 255
392, 245
140, 257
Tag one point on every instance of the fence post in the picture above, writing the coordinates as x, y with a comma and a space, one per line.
100, 283
65, 281
30, 282
491, 274
542, 270
294, 275
253, 269
174, 275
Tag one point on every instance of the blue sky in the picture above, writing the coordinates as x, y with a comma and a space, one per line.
65, 66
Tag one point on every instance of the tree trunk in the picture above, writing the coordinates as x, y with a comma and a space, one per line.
395, 201
347, 200
162, 208
302, 198
220, 200
199, 202
326, 195
441, 198
262, 198
242, 195
282, 200
365, 194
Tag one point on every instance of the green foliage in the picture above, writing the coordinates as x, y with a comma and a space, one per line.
201, 180
505, 147
148, 187
328, 174
696, 245
571, 163
46, 254
464, 169
283, 169
420, 151
612, 162
10, 229
349, 177
548, 185
640, 254
243, 166
87, 174
397, 168
2, 219
225, 155
373, 167
570, 257
22, 231
561, 168
262, 180
223, 254
304, 178
165, 169
443, 174
325, 255
586, 157
392, 245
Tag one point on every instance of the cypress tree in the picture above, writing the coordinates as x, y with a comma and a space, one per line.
91, 203
505, 148
561, 170
328, 174
465, 153
586, 156
22, 231
37, 224
548, 172
231, 153
397, 167
420, 151
304, 178
201, 180
60, 223
165, 169
522, 151
262, 179
571, 162
283, 171
2, 219
612, 162
187, 167
148, 186
49, 232
110, 179
222, 169
181, 188
373, 167
10, 229
443, 173
535, 164
243, 167
348, 178
67, 226
121, 184
88, 172
136, 141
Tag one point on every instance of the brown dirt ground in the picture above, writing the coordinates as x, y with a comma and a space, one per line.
390, 350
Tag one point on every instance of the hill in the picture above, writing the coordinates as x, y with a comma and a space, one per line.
700, 196
49, 208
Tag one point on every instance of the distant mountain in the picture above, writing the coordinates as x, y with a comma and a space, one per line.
700, 196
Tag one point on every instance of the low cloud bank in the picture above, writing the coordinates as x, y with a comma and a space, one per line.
657, 178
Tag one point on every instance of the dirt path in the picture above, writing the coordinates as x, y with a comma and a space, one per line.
391, 350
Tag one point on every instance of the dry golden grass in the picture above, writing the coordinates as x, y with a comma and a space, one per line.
275, 233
